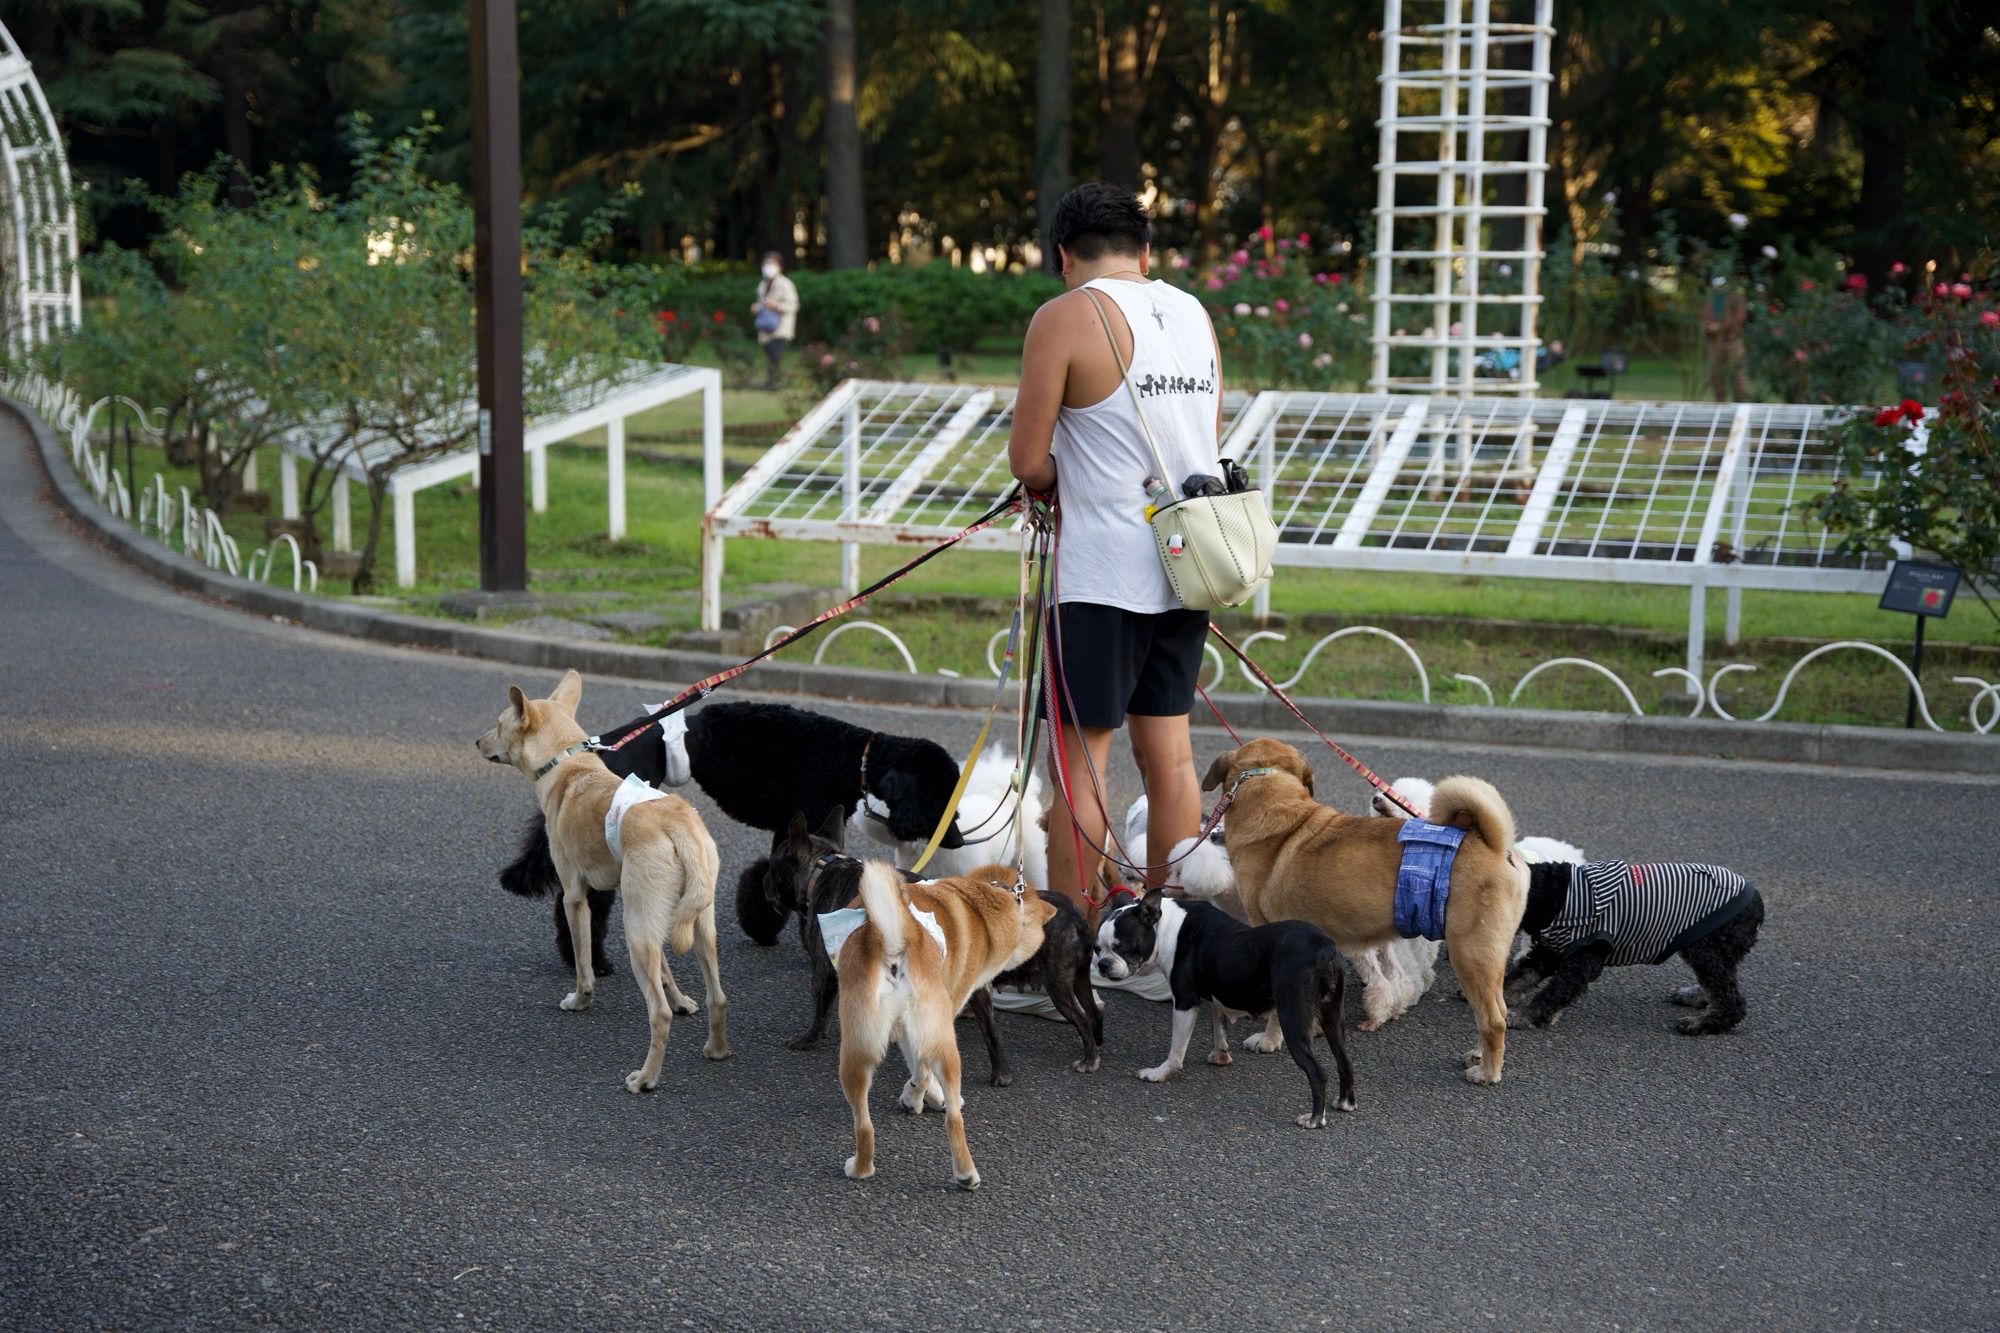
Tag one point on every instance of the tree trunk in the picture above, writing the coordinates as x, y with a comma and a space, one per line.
1126, 54
1885, 131
1052, 118
846, 222
236, 132
364, 569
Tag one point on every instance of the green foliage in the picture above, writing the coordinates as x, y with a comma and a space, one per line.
1287, 321
1824, 344
1932, 481
346, 320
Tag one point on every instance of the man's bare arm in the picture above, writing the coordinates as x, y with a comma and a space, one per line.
1044, 377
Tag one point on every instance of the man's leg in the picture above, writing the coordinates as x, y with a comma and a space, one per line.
1065, 876
1165, 755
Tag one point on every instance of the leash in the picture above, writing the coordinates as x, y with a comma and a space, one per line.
1010, 503
1293, 709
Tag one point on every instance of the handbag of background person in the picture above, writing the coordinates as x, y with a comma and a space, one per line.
1216, 548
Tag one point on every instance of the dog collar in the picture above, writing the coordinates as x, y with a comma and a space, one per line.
819, 865
1249, 773
549, 767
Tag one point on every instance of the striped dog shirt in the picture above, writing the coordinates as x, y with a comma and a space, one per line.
1647, 913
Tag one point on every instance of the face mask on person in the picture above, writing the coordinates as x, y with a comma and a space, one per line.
770, 270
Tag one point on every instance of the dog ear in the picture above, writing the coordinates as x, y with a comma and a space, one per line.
568, 692
800, 833
835, 828
1218, 772
517, 701
1149, 905
1307, 778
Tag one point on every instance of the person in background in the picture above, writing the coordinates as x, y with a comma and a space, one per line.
776, 311
1127, 653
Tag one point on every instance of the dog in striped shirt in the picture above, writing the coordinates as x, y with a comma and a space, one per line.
1584, 918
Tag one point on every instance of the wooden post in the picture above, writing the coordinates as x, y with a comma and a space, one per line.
496, 211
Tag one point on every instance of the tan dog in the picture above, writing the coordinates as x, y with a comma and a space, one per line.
1296, 859
667, 869
898, 984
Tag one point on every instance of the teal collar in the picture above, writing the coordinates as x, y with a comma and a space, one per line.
1246, 774
549, 767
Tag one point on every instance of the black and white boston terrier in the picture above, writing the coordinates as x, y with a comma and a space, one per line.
1287, 966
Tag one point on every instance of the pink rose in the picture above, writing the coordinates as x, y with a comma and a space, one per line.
1282, 304
1284, 242
1940, 290
1264, 232
1320, 278
1898, 269
1241, 256
1305, 239
1990, 318
1961, 290
872, 324
1214, 283
1305, 340
825, 360
1799, 355
1456, 328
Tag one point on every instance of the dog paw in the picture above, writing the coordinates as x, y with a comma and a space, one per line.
1219, 1058
687, 1004
1002, 1078
853, 1174
968, 1182
1262, 1044
1518, 1018
1344, 1104
911, 1099
576, 1003
716, 1050
1701, 1025
804, 1043
1471, 1058
602, 967
1369, 1024
1311, 1121
1476, 1072
1086, 1066
1690, 996
1158, 1073
934, 1094
636, 1081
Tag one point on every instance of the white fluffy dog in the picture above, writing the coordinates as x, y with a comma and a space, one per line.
1202, 870
989, 835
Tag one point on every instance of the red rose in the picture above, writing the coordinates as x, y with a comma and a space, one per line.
1990, 318
1264, 232
1805, 284
1961, 290
669, 317
1857, 282
718, 316
1888, 416
1897, 269
1913, 409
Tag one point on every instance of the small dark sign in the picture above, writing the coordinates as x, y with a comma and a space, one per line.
1919, 588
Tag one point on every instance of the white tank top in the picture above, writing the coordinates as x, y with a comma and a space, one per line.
1106, 553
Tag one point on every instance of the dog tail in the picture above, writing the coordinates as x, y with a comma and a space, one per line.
700, 864
882, 899
1472, 803
533, 872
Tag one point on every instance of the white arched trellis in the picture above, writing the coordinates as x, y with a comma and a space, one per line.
38, 273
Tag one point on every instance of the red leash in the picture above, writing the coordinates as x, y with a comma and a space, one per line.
1293, 709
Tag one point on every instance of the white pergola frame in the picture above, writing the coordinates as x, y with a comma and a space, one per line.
1433, 260
43, 291
588, 408
1689, 495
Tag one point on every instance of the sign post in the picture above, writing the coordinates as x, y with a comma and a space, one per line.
496, 277
1922, 589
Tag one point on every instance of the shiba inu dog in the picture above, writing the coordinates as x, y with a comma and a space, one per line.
906, 970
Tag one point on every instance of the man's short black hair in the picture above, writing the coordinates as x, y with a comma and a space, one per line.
1099, 218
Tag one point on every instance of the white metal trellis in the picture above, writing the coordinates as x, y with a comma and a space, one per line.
1464, 144
38, 275
1692, 495
877, 461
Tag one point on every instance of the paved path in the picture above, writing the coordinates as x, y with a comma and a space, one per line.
279, 1052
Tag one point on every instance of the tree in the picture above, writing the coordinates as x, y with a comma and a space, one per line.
1129, 35
1053, 108
846, 225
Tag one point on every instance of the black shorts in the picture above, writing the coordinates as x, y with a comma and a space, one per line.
1110, 662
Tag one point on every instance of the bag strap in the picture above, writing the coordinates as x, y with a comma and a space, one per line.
1126, 375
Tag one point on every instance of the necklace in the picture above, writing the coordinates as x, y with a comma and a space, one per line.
1120, 272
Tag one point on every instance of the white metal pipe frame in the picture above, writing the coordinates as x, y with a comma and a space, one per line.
1693, 495
38, 262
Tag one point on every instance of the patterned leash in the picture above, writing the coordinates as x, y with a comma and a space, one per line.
702, 688
1293, 709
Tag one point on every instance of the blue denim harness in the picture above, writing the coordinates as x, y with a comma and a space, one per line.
1423, 881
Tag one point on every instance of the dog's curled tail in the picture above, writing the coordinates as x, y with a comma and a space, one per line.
700, 864
882, 900
1472, 803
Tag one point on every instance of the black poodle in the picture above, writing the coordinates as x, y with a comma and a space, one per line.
763, 763
806, 873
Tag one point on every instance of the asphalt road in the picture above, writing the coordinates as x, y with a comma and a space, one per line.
279, 1052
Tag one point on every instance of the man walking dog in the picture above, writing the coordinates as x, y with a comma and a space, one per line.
1126, 652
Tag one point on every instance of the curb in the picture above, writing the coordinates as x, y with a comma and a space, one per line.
1785, 742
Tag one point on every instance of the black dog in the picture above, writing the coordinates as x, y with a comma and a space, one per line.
762, 763
1287, 966
1584, 918
807, 873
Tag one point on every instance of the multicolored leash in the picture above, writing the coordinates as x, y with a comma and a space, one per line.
702, 688
1293, 709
